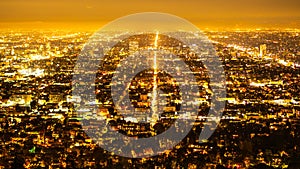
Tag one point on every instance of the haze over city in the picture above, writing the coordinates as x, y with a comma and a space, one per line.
69, 96
92, 14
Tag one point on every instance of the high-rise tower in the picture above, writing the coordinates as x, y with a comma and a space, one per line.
262, 50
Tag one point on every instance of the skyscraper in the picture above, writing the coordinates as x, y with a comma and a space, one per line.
262, 50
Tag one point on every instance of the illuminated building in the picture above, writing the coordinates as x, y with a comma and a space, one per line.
262, 50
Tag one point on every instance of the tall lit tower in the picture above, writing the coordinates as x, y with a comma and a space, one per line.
12, 51
262, 50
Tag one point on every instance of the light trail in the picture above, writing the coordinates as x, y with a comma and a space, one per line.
154, 105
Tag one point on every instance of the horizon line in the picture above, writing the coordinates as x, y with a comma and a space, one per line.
95, 25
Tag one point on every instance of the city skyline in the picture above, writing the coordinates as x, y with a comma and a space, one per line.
88, 84
40, 127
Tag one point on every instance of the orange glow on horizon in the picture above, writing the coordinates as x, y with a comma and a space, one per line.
93, 14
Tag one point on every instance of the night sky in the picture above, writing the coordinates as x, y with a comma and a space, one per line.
209, 12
